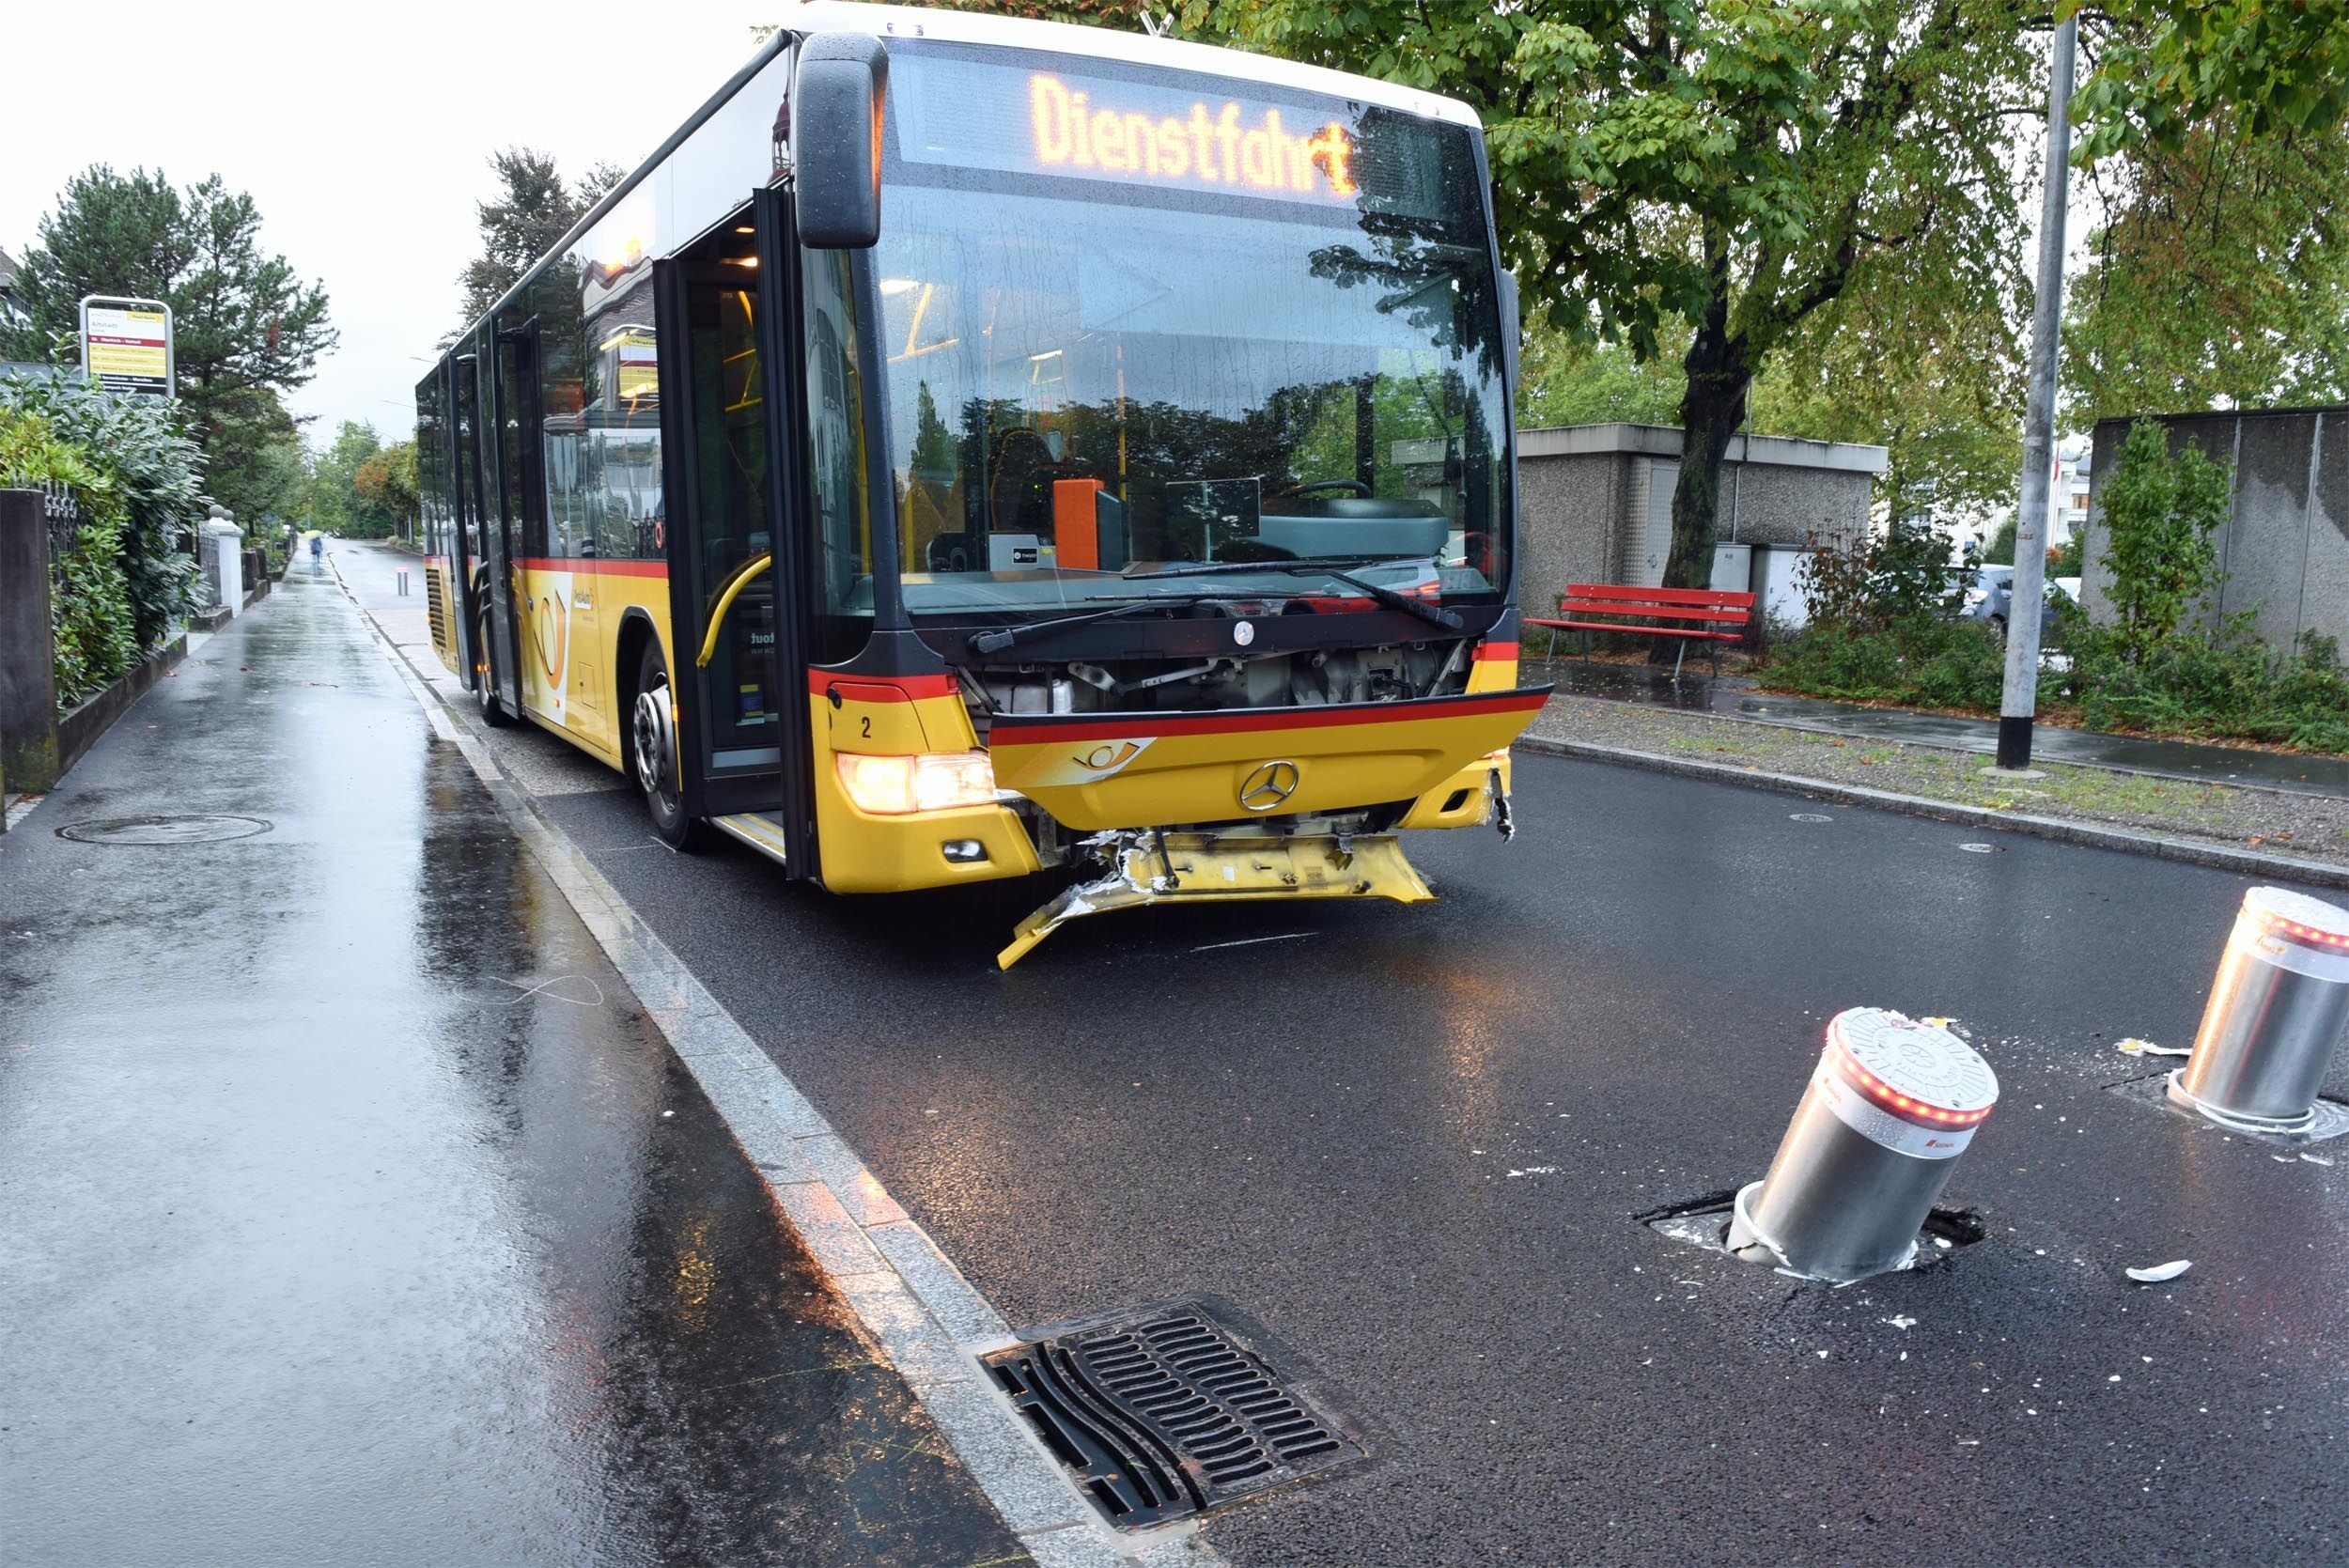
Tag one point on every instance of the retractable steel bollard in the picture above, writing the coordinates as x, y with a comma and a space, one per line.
403, 584
1892, 1106
2279, 1005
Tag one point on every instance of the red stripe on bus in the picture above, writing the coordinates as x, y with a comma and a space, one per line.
596, 567
909, 688
1496, 650
1119, 727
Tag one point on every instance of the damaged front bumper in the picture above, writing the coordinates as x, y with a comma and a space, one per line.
1146, 866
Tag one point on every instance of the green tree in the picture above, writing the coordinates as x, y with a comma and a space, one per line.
1566, 381
388, 481
336, 504
1934, 377
1705, 177
2168, 68
2218, 275
245, 327
239, 318
2154, 523
254, 462
530, 213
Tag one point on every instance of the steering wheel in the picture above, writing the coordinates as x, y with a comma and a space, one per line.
1319, 485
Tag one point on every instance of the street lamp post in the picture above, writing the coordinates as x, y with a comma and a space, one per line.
2020, 699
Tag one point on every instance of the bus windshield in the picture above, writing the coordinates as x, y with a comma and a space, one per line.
1136, 321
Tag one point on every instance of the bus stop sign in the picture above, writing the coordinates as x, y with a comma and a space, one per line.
127, 345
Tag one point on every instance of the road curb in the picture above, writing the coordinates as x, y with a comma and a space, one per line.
2248, 862
927, 1321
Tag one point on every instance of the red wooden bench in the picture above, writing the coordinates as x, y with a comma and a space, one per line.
1691, 614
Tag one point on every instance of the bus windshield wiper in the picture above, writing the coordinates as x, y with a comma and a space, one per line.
1327, 566
1011, 636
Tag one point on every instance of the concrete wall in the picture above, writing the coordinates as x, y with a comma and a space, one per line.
2285, 546
1588, 493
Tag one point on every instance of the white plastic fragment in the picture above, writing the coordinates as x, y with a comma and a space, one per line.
2160, 1272
1899, 1322
2317, 1160
2135, 1047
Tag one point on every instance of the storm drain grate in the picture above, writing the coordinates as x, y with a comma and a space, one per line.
1166, 1411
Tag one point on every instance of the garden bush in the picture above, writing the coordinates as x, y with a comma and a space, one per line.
1916, 661
91, 625
154, 469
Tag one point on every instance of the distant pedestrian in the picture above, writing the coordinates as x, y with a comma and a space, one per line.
317, 547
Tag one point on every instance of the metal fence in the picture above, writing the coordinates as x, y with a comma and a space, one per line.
64, 514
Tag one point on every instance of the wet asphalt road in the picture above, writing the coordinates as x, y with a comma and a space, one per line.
354, 1212
1413, 1143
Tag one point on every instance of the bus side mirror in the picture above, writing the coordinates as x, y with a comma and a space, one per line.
836, 122
1512, 331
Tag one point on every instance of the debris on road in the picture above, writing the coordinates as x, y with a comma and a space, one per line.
2135, 1047
2160, 1272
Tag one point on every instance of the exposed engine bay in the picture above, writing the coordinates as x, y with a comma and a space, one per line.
1307, 678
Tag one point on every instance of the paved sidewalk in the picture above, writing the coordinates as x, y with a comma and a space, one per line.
355, 1213
1734, 697
2300, 824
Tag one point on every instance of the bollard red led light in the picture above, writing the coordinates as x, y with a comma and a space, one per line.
1930, 1098
1891, 1099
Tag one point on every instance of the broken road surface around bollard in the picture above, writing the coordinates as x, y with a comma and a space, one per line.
2278, 1007
1890, 1106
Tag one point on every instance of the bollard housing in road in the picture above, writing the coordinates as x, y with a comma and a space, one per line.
1892, 1104
2278, 1007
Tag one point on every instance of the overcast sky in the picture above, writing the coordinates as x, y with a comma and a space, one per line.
360, 130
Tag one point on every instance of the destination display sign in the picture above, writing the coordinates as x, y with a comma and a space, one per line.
1045, 115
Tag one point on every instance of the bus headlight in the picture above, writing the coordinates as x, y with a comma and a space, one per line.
934, 781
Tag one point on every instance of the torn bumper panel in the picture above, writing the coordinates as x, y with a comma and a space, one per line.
1171, 868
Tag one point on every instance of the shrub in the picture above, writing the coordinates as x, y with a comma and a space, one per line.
2157, 514
2224, 686
1868, 585
92, 630
154, 468
1919, 660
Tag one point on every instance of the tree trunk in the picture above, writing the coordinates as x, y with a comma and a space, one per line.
1712, 407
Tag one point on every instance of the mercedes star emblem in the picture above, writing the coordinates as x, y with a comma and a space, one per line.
1270, 785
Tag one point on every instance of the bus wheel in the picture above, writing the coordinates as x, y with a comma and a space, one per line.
652, 752
486, 688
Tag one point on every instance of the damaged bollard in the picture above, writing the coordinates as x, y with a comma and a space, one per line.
2278, 1006
1892, 1104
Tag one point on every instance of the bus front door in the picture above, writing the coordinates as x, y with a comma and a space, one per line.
737, 588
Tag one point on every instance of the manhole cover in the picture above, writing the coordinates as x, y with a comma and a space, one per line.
164, 830
1166, 1410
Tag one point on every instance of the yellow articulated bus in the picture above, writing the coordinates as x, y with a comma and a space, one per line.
973, 447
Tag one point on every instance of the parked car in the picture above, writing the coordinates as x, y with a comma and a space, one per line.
1989, 596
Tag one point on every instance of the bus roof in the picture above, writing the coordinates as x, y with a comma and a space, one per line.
1107, 43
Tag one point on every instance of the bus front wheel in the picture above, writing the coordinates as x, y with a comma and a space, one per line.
652, 751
